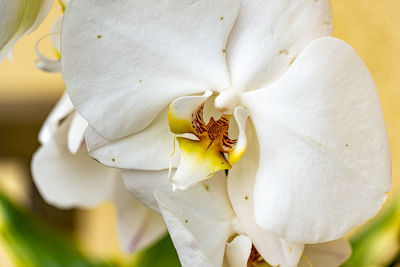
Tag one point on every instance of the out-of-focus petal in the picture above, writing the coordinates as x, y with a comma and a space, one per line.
45, 6
18, 18
269, 35
76, 133
44, 62
331, 254
61, 110
238, 251
241, 177
121, 72
66, 180
56, 34
138, 226
325, 163
149, 149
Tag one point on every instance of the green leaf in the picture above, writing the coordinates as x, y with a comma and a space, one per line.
377, 243
34, 243
162, 254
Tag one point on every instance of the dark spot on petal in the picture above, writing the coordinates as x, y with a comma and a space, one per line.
186, 221
113, 159
221, 18
246, 197
99, 36
206, 187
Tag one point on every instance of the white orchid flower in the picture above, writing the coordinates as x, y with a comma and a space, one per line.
67, 177
207, 232
19, 18
324, 161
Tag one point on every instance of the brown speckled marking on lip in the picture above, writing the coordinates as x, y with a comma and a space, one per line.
255, 257
216, 131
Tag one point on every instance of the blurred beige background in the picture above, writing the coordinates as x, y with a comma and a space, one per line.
27, 94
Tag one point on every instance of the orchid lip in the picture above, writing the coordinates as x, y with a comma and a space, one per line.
213, 149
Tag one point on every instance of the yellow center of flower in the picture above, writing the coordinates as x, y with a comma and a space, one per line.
213, 150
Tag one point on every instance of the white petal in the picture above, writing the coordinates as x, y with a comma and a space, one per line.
122, 71
44, 62
199, 239
271, 247
143, 184
292, 253
19, 17
45, 6
138, 226
76, 133
47, 64
63, 108
10, 18
331, 254
269, 35
324, 155
149, 149
208, 197
66, 180
238, 251
56, 33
